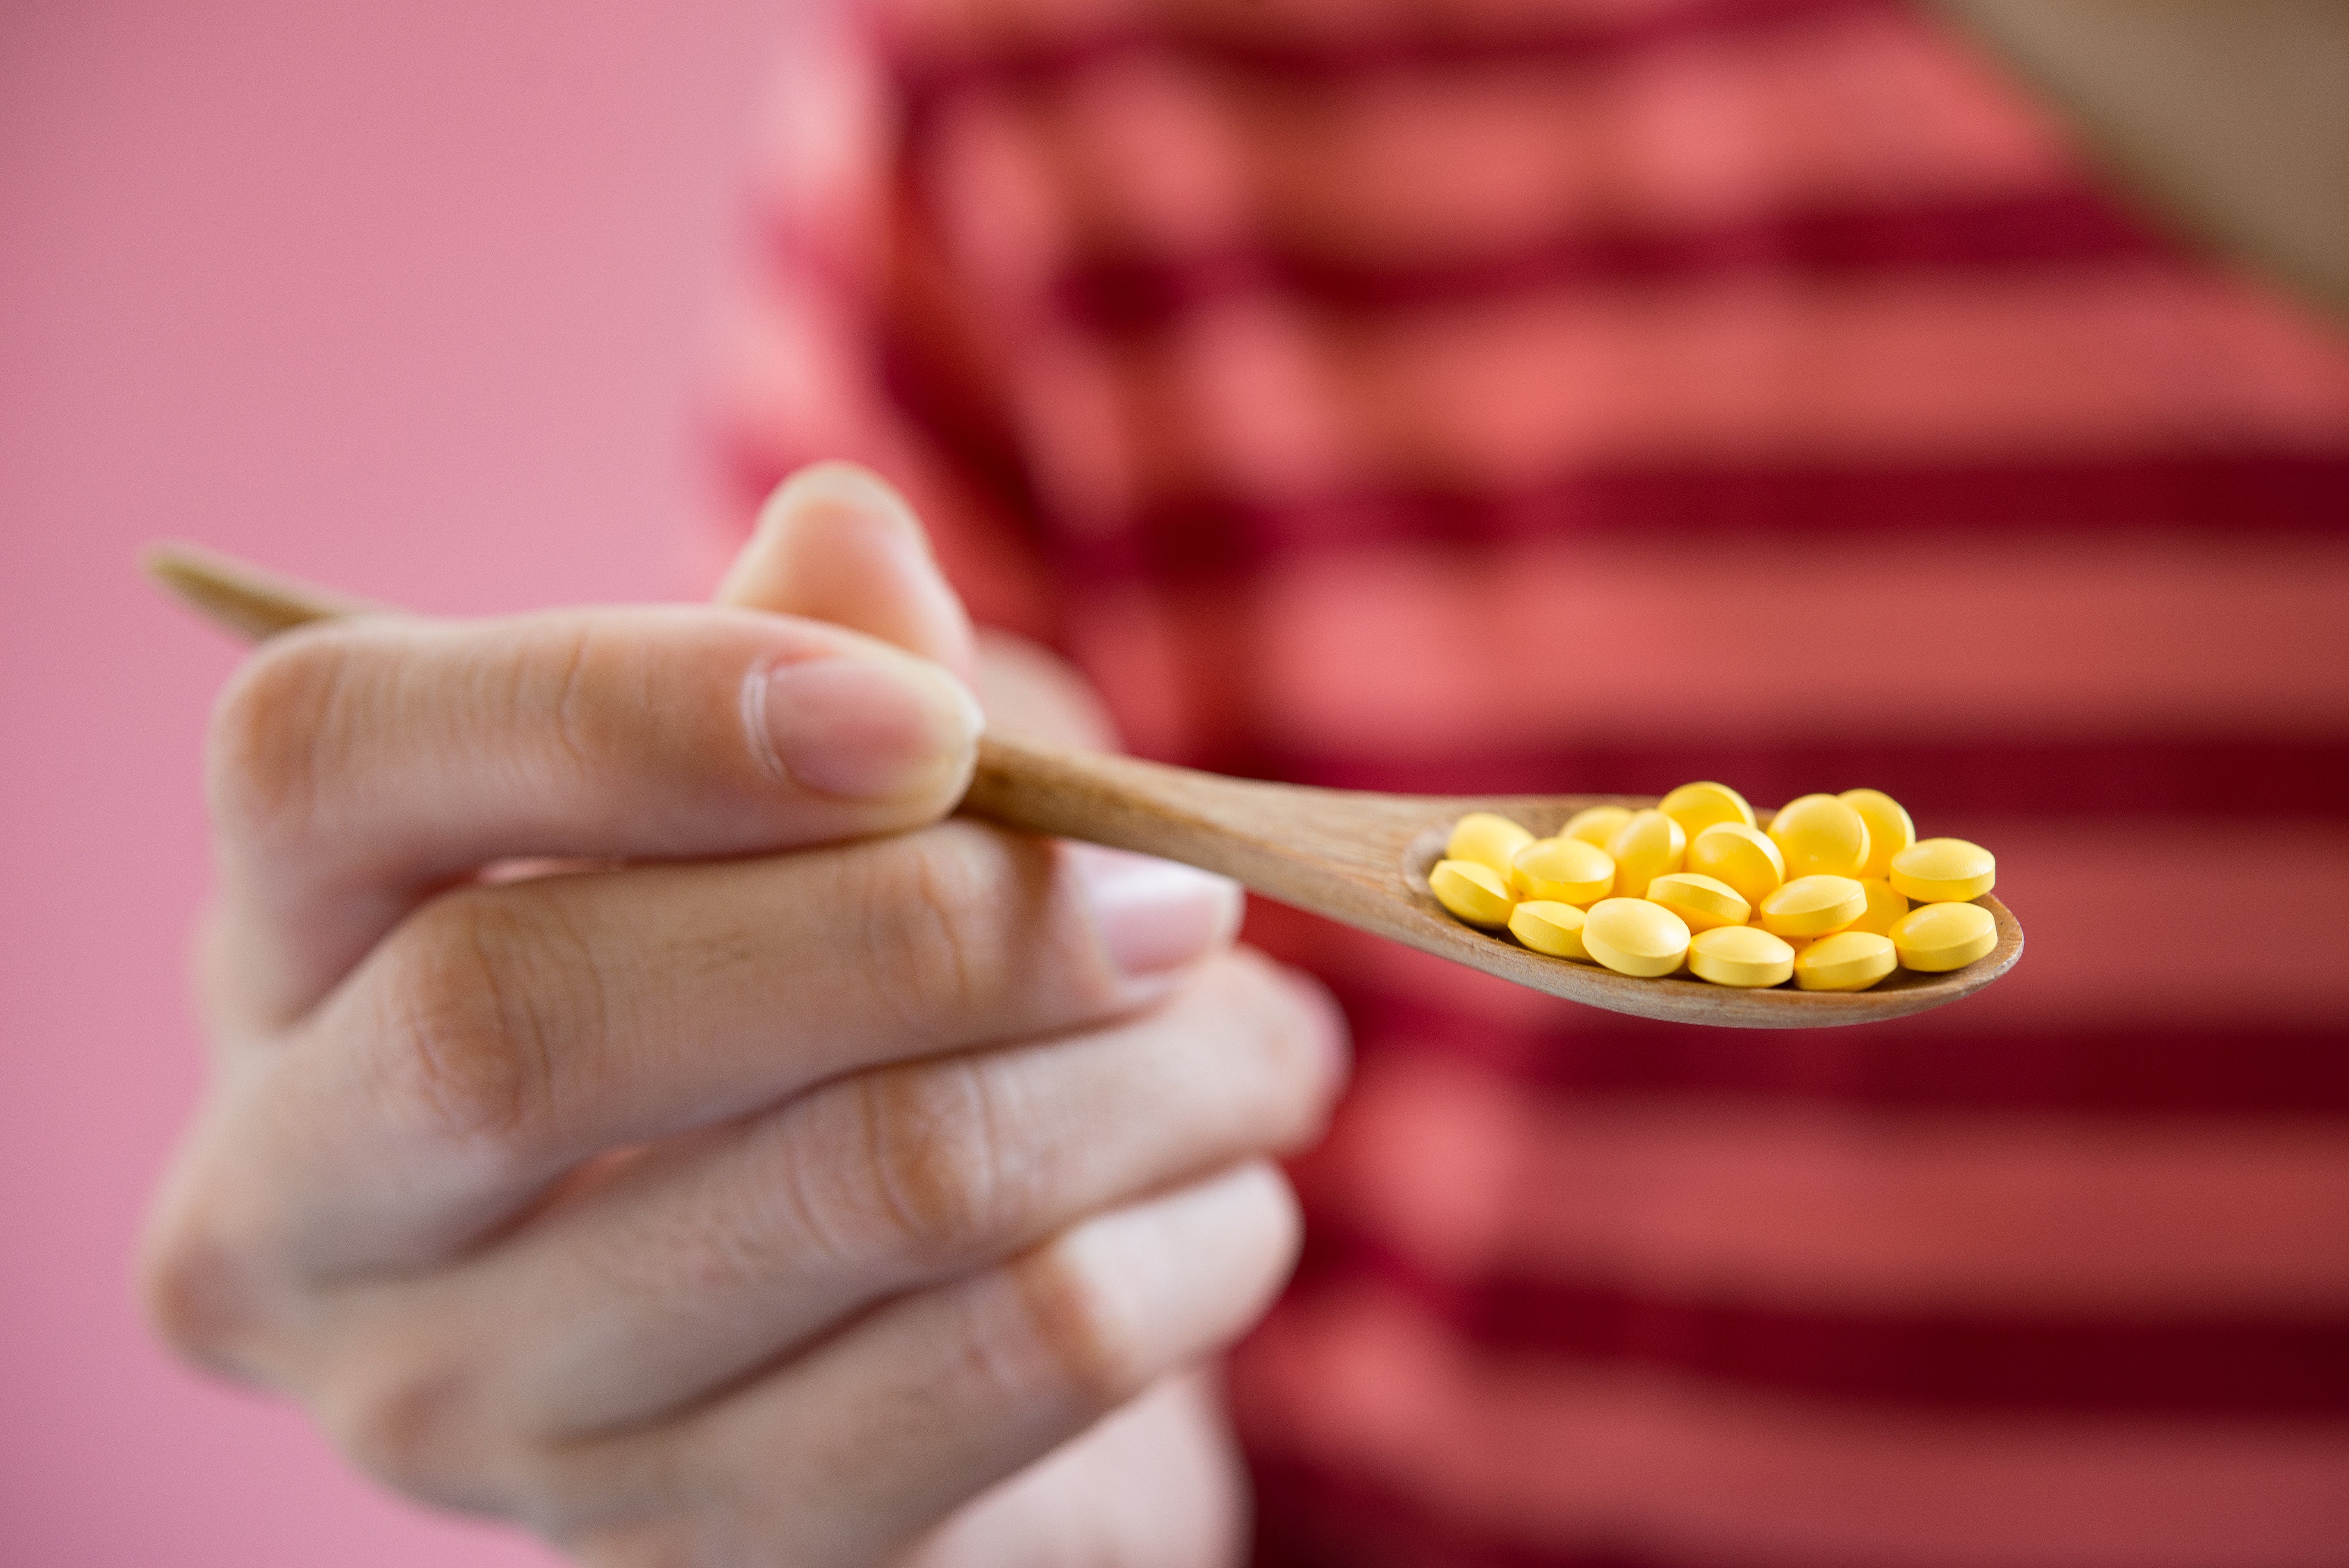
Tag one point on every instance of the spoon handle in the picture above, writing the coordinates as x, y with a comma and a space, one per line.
1337, 852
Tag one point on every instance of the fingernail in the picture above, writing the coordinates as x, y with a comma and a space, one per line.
1155, 915
865, 729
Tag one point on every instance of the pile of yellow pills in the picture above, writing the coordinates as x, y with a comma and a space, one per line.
1833, 894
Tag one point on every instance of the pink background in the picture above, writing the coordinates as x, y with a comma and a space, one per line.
403, 295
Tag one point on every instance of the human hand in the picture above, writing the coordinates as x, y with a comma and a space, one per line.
783, 1185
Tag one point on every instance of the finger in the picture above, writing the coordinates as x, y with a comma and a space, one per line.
1029, 690
357, 766
836, 543
855, 1450
696, 1265
1158, 1482
506, 1033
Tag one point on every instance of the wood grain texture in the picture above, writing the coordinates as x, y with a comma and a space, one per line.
1351, 855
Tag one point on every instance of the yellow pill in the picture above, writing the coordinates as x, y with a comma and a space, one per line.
1934, 938
1740, 955
1487, 840
1649, 846
1847, 961
1889, 830
1813, 906
1549, 927
1596, 825
1701, 903
1696, 807
1820, 836
1944, 870
1741, 856
1472, 891
1562, 871
1632, 936
1884, 907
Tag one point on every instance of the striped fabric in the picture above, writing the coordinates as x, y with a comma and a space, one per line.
1491, 395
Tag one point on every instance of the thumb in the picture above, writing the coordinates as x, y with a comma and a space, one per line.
836, 543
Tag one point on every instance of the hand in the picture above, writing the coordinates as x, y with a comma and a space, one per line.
782, 1175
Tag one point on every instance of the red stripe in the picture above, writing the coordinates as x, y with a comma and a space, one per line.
1209, 536
928, 70
1307, 1516
2256, 776
2267, 1367
1135, 294
1907, 1065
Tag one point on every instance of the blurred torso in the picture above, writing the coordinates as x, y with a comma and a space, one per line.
1600, 394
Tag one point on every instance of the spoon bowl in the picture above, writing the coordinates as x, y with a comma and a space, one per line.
1352, 855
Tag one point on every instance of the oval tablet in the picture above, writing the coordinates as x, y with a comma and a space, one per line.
1649, 846
1934, 938
1472, 891
1549, 927
1632, 936
1889, 830
1884, 907
1820, 836
1847, 961
1562, 871
1813, 906
1699, 900
1740, 955
1944, 870
1596, 824
1742, 856
1486, 839
1696, 807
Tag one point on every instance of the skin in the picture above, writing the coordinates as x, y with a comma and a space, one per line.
638, 1112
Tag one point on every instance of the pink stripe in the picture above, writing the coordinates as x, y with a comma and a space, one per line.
2042, 635
1427, 169
1826, 1208
1426, 650
1504, 395
1559, 1458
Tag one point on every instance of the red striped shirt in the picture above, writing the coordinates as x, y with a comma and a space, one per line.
1352, 386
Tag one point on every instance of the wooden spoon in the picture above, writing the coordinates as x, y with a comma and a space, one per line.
1351, 855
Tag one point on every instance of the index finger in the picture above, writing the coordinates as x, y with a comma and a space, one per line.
358, 766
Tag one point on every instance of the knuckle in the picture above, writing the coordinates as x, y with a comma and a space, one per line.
940, 1179
469, 1042
201, 1296
936, 906
409, 1425
273, 734
1294, 1037
1079, 1344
